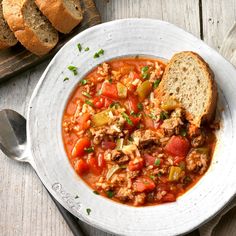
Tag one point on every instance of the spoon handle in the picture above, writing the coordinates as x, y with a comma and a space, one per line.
71, 220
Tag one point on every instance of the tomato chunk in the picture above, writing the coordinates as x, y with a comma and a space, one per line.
149, 160
79, 147
177, 146
98, 102
81, 167
148, 122
109, 90
144, 184
133, 104
108, 145
136, 165
134, 75
93, 166
178, 159
82, 121
107, 102
135, 121
169, 197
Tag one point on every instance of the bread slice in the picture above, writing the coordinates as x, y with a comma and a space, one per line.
189, 79
63, 14
30, 27
7, 38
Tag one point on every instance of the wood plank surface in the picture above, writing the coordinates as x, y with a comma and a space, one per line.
26, 208
218, 17
183, 13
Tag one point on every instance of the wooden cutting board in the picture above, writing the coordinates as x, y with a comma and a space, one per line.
18, 59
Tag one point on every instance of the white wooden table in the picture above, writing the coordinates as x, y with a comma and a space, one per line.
25, 206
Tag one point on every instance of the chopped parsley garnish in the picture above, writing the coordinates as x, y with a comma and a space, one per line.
164, 115
144, 72
88, 210
144, 69
96, 192
79, 47
76, 196
89, 103
156, 83
110, 81
140, 106
101, 52
127, 118
152, 177
89, 150
73, 69
110, 193
98, 54
86, 49
83, 82
157, 162
159, 174
115, 105
152, 116
130, 139
183, 132
187, 180
86, 94
65, 79
138, 115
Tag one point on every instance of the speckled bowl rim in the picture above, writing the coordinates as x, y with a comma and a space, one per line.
48, 157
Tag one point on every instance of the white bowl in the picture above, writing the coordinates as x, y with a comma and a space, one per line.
48, 157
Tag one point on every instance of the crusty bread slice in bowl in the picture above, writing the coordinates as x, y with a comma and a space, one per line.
63, 14
30, 27
189, 79
7, 38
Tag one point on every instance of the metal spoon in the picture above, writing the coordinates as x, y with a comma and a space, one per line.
13, 143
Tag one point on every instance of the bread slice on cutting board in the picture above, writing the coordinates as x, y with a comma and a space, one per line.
30, 27
189, 79
63, 14
7, 38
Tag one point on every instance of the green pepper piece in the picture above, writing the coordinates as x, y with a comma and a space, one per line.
144, 90
101, 118
174, 174
169, 104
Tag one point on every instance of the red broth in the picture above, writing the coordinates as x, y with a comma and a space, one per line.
128, 146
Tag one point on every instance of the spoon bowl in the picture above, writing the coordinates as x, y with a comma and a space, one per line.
13, 135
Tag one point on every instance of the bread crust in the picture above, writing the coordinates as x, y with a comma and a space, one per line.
8, 42
58, 15
12, 11
209, 75
4, 44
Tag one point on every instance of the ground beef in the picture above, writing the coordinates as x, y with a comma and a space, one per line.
198, 141
144, 138
119, 157
125, 194
197, 162
139, 199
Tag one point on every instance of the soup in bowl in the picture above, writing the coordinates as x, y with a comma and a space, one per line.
125, 143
